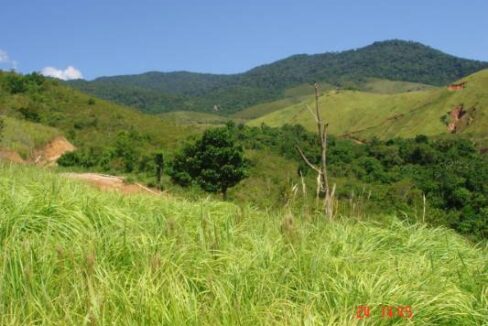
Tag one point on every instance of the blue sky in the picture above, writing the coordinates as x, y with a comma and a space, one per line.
110, 37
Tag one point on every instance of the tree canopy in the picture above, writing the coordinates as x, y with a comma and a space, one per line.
213, 162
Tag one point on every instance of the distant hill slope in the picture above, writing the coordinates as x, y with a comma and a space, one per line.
37, 109
194, 118
364, 115
305, 91
396, 60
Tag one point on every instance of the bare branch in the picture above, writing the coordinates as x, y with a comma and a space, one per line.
324, 132
313, 114
306, 160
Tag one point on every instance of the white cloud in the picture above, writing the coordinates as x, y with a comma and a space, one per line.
67, 74
5, 60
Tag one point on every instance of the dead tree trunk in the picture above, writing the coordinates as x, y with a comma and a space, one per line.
323, 190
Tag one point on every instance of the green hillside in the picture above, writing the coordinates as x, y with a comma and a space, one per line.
304, 92
24, 137
384, 86
114, 139
85, 121
364, 115
395, 60
74, 255
190, 117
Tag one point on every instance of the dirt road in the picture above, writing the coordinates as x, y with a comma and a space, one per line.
110, 182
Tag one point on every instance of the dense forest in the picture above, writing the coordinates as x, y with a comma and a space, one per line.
156, 92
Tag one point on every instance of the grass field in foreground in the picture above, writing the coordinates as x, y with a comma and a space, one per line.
73, 255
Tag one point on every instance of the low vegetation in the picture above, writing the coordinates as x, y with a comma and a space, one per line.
24, 137
74, 255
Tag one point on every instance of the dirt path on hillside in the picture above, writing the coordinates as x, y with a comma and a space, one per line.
109, 182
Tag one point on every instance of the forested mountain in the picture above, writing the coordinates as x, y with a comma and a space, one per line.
156, 92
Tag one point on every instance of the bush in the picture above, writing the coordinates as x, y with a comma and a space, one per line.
20, 84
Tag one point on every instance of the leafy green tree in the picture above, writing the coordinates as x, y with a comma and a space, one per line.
127, 149
213, 162
15, 84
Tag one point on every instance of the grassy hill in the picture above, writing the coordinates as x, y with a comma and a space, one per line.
395, 60
24, 137
46, 109
304, 92
74, 255
84, 120
190, 117
364, 115
385, 86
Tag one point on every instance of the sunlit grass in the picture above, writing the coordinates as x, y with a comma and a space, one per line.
73, 255
23, 136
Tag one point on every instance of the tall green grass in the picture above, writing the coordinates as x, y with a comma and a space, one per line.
73, 255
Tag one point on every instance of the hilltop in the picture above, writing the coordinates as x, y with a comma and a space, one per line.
363, 115
394, 60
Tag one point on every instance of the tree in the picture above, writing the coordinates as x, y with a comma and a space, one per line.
2, 127
323, 190
159, 161
213, 162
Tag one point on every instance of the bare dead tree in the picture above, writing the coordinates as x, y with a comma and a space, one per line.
323, 190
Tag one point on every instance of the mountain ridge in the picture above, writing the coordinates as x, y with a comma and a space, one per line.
229, 93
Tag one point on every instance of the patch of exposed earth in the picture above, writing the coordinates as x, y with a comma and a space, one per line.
109, 182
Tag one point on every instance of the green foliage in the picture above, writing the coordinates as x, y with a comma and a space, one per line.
214, 162
395, 60
450, 172
124, 156
30, 114
20, 84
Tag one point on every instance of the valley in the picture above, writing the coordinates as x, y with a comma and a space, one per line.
182, 198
